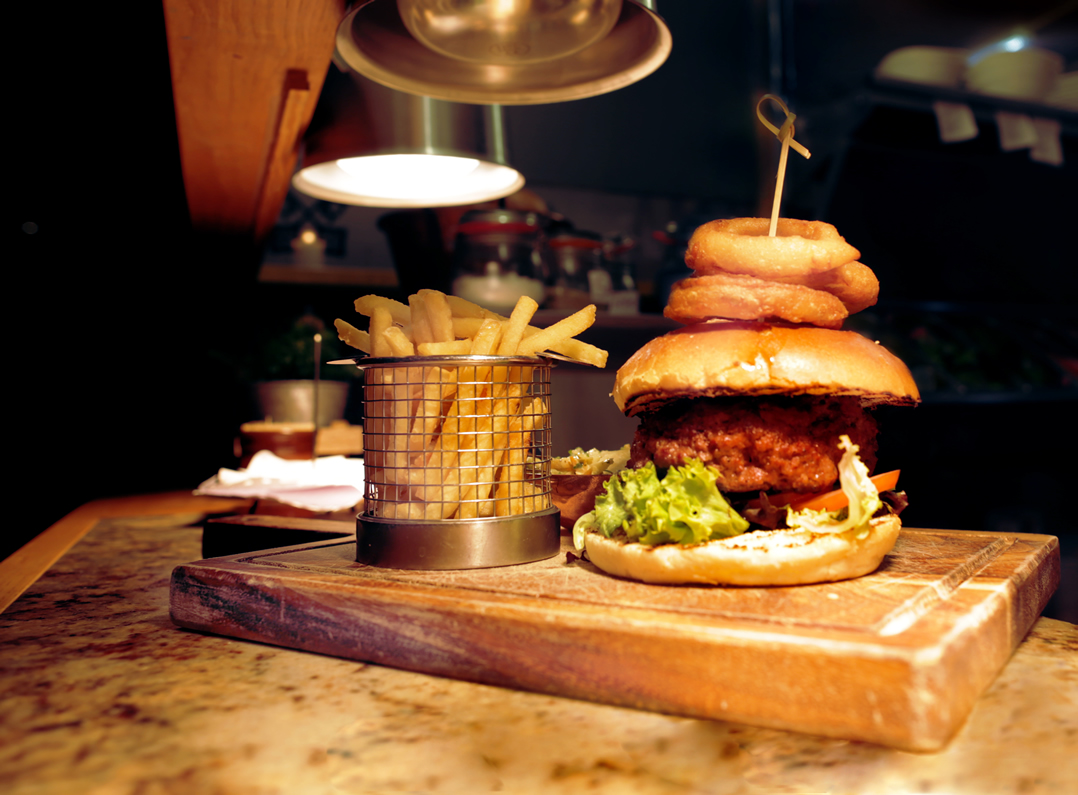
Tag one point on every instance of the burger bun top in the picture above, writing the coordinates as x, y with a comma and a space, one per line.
751, 358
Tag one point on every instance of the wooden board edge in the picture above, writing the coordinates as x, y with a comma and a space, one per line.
600, 659
966, 662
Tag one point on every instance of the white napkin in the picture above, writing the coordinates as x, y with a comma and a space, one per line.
955, 121
330, 483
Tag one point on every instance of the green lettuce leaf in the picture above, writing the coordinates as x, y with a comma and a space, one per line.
684, 507
860, 491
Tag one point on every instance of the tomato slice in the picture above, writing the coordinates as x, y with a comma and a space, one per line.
829, 501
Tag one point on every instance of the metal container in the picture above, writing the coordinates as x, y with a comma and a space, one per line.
373, 40
457, 453
295, 400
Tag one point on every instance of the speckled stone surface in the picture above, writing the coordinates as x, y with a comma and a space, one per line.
101, 693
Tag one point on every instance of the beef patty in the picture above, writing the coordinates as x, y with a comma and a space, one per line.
760, 443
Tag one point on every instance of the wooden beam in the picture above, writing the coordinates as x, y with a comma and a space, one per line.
292, 120
241, 107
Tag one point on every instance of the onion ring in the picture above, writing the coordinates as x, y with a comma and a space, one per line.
742, 245
854, 284
731, 295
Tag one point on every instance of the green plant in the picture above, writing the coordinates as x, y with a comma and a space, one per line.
289, 354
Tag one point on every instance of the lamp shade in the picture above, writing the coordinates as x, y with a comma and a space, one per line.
560, 61
372, 146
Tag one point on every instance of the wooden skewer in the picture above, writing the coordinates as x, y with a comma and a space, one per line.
785, 134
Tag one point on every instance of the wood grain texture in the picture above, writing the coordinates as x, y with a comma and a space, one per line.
22, 568
897, 657
293, 116
241, 105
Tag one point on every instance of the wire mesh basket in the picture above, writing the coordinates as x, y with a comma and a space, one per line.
457, 462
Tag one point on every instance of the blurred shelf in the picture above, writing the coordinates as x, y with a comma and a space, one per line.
605, 320
327, 275
915, 96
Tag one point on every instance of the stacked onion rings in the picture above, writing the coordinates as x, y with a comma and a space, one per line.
805, 273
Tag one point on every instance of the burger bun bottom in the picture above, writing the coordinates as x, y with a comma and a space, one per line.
760, 558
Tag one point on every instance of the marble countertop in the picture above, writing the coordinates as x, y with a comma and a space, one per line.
101, 693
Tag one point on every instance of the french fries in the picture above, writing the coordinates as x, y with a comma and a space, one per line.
381, 322
559, 332
352, 336
461, 440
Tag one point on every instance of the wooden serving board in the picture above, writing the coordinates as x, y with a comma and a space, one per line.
897, 657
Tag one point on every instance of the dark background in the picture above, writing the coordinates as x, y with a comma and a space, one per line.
117, 308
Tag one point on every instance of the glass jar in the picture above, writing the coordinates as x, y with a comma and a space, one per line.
497, 258
624, 298
577, 258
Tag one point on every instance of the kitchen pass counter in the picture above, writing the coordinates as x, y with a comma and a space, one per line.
101, 693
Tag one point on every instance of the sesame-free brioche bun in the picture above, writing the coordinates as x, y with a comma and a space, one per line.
751, 358
760, 558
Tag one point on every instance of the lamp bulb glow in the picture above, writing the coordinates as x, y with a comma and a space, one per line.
1015, 43
408, 176
408, 180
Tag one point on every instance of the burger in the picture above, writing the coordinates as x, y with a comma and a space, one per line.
743, 424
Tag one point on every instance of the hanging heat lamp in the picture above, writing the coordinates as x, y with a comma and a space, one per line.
369, 145
507, 52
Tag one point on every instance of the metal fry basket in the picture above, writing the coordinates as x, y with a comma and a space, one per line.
457, 462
